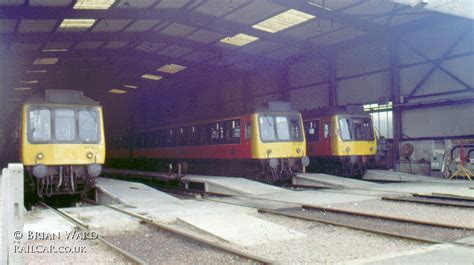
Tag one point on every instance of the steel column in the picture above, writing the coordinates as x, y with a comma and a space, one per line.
395, 94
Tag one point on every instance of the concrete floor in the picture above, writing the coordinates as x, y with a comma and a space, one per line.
239, 225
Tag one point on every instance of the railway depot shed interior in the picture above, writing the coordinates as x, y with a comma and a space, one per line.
195, 77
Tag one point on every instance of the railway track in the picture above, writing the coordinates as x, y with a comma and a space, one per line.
397, 227
157, 228
433, 200
406, 228
410, 229
194, 238
84, 227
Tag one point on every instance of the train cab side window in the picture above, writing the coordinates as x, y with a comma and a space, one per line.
311, 129
248, 130
40, 125
327, 130
88, 125
64, 125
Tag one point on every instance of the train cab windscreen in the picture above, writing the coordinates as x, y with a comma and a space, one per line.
280, 128
63, 125
356, 129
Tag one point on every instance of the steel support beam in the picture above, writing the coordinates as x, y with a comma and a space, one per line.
437, 65
332, 79
183, 16
395, 94
285, 83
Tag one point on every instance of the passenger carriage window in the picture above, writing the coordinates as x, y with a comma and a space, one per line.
217, 133
40, 125
327, 130
163, 138
88, 125
204, 134
194, 135
181, 137
171, 137
311, 129
232, 132
64, 125
156, 139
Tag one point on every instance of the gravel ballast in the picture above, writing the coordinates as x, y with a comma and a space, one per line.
328, 244
161, 247
396, 227
88, 252
430, 213
322, 244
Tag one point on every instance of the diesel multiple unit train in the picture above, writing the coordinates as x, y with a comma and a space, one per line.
268, 145
340, 140
62, 142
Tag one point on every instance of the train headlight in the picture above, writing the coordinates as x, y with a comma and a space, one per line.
298, 150
90, 155
40, 171
94, 170
371, 149
305, 161
348, 150
39, 156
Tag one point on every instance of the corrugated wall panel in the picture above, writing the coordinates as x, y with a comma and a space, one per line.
362, 59
438, 122
310, 97
308, 72
365, 89
265, 82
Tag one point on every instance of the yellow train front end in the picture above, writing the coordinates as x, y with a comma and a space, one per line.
279, 143
355, 142
62, 146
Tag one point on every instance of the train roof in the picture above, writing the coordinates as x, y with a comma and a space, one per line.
57, 96
340, 110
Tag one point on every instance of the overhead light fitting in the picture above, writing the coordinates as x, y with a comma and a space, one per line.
55, 50
283, 21
117, 91
93, 4
171, 68
151, 77
22, 88
36, 71
320, 6
77, 23
29, 82
130, 86
46, 61
240, 39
